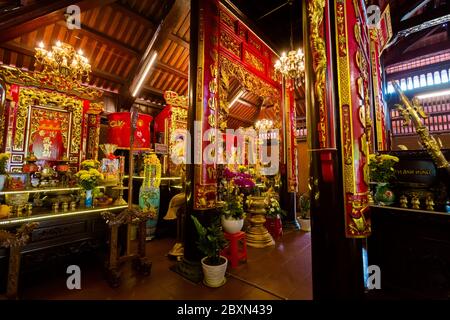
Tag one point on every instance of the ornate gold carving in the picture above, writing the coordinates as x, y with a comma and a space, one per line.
345, 100
315, 14
179, 114
249, 82
15, 242
204, 196
413, 111
96, 108
254, 43
41, 80
31, 96
341, 28
254, 61
172, 98
63, 117
226, 20
347, 127
358, 226
229, 43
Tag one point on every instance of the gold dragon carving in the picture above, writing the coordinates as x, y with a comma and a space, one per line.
315, 14
413, 112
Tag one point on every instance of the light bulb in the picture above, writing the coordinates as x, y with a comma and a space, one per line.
80, 52
41, 45
58, 43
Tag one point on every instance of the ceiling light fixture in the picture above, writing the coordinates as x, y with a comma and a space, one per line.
63, 63
292, 64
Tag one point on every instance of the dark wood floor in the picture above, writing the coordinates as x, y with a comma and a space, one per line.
280, 272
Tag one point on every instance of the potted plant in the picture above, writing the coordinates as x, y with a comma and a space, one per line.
273, 217
211, 242
382, 172
232, 210
304, 218
4, 157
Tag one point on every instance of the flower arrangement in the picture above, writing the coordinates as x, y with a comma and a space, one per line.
382, 167
237, 183
89, 179
241, 179
151, 159
90, 164
4, 157
273, 208
152, 170
233, 207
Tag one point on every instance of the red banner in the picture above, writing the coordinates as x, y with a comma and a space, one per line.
119, 130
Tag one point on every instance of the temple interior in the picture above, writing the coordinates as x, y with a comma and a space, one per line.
225, 149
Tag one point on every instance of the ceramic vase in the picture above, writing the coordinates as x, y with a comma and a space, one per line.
383, 194
149, 198
88, 201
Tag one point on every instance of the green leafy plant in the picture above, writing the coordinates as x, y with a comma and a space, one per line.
4, 157
382, 167
304, 205
211, 241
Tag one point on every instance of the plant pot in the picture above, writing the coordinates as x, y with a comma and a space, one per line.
275, 226
231, 225
305, 224
214, 276
2, 181
383, 194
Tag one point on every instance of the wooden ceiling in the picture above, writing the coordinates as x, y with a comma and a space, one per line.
113, 35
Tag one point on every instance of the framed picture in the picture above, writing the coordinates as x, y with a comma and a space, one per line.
17, 158
49, 130
16, 169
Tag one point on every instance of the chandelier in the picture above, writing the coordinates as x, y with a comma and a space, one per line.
63, 62
291, 65
264, 124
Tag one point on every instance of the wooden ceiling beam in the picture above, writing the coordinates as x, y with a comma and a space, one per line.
124, 9
152, 90
179, 40
104, 38
26, 19
149, 104
173, 11
165, 67
246, 103
239, 118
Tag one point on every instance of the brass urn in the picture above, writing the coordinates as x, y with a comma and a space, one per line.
257, 234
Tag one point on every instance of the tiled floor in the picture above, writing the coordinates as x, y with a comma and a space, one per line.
280, 272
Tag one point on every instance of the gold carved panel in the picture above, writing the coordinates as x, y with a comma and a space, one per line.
254, 61
229, 43
31, 96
